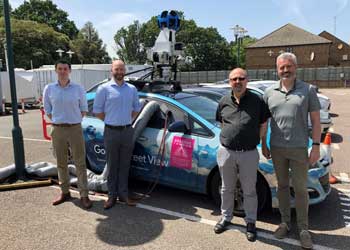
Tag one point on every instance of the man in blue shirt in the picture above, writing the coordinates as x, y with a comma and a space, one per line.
117, 104
65, 104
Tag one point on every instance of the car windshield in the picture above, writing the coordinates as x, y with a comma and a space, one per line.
203, 106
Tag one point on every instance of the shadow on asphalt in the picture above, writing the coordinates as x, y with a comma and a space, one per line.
333, 115
132, 226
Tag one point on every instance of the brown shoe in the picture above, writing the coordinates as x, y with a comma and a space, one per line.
128, 201
110, 202
86, 202
61, 198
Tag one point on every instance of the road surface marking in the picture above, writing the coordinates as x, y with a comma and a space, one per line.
25, 139
335, 146
234, 228
343, 190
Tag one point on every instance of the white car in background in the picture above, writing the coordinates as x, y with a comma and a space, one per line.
325, 118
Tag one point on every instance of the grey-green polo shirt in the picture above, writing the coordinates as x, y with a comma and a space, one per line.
289, 113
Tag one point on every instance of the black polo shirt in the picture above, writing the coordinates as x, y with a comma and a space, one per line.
241, 122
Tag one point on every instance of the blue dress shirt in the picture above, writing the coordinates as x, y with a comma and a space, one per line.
65, 104
116, 102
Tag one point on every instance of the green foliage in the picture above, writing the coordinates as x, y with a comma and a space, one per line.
2, 8
33, 41
130, 47
88, 47
245, 42
48, 13
209, 50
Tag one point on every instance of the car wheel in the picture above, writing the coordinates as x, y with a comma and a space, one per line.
262, 188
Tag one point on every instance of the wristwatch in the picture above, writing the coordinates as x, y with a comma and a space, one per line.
316, 143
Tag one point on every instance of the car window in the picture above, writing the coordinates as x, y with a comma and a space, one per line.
201, 105
166, 111
214, 97
198, 129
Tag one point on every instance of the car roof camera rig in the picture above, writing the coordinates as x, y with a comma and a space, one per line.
166, 53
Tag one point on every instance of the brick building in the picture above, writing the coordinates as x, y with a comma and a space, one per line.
339, 52
311, 50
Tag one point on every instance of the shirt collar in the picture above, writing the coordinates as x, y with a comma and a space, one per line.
114, 83
246, 92
296, 85
67, 86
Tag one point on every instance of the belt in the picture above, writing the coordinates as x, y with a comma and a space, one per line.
243, 149
66, 124
118, 127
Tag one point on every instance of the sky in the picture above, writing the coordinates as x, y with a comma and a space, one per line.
258, 17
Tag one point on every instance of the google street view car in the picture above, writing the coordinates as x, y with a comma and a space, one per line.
184, 125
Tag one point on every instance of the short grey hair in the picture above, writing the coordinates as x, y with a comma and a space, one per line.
288, 56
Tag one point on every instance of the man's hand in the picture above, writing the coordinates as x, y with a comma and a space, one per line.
265, 151
314, 155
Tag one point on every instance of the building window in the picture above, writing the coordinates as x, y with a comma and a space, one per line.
289, 49
345, 57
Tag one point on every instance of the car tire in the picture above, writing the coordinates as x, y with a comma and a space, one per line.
262, 188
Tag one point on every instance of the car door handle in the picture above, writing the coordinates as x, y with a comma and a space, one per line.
142, 138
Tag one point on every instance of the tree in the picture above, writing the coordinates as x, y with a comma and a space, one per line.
130, 47
245, 42
88, 47
209, 50
48, 13
34, 42
2, 8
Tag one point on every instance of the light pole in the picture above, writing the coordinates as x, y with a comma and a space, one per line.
17, 136
239, 33
70, 53
60, 51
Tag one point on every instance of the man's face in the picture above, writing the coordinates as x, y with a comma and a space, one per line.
286, 69
118, 71
238, 81
62, 71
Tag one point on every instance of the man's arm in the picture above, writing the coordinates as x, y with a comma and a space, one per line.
316, 136
99, 104
134, 114
47, 102
264, 148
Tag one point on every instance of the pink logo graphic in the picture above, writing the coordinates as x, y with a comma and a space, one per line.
181, 152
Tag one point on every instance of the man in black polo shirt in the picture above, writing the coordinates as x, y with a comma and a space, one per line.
243, 116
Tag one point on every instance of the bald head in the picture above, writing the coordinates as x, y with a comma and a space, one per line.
118, 70
238, 80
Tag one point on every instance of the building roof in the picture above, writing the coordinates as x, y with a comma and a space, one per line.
289, 35
334, 39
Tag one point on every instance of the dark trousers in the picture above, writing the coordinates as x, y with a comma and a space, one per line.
119, 148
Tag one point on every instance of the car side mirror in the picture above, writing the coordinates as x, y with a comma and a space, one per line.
178, 127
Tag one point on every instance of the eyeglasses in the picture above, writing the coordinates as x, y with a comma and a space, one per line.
237, 78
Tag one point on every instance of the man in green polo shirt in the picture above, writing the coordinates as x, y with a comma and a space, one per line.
290, 101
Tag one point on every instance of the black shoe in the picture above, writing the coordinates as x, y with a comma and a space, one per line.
251, 232
221, 226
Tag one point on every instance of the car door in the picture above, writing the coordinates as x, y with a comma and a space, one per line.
179, 167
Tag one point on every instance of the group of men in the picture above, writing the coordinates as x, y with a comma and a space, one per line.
116, 103
243, 117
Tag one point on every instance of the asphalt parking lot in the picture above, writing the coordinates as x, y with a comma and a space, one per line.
169, 218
